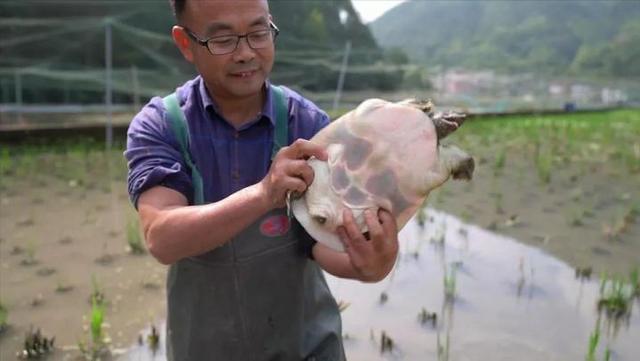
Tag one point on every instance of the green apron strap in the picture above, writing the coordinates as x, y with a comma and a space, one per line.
280, 135
180, 129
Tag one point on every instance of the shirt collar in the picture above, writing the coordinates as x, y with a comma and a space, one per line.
267, 108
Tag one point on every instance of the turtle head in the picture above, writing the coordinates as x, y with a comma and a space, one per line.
456, 162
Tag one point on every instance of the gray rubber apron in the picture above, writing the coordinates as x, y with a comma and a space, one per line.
258, 297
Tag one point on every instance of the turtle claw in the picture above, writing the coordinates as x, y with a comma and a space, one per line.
447, 123
288, 201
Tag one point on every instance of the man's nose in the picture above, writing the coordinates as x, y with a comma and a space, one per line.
244, 52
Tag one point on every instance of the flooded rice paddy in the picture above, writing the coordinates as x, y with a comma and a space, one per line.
516, 274
459, 292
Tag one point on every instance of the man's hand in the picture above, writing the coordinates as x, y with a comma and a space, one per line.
290, 172
373, 258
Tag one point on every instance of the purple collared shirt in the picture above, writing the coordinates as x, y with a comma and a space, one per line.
228, 158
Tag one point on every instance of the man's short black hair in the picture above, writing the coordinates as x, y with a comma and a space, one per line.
178, 7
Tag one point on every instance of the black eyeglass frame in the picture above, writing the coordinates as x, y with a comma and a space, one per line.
205, 42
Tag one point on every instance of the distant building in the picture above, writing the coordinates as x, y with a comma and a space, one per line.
456, 82
582, 93
613, 96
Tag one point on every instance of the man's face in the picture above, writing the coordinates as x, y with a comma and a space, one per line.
238, 74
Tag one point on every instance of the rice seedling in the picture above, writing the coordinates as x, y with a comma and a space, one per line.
443, 350
615, 229
16, 250
150, 284
36, 345
4, 316
30, 257
449, 283
463, 232
427, 317
466, 215
576, 194
439, 235
594, 340
386, 343
97, 294
576, 218
543, 166
383, 298
634, 279
513, 221
498, 203
25, 164
500, 161
134, 239
153, 339
45, 271
583, 273
26, 222
615, 296
63, 287
96, 347
421, 217
6, 162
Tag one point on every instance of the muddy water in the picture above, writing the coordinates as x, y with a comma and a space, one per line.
512, 302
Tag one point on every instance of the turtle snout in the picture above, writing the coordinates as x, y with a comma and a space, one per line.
464, 169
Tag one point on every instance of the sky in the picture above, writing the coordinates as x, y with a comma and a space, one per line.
369, 10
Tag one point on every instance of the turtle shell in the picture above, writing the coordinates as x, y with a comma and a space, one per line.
381, 155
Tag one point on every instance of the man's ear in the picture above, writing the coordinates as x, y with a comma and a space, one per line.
183, 42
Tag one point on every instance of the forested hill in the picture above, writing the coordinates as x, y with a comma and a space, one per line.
64, 41
579, 37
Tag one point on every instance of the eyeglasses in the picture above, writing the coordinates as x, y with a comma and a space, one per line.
225, 44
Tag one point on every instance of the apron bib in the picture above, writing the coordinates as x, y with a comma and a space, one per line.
258, 297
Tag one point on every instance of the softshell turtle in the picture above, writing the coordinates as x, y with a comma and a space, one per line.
380, 155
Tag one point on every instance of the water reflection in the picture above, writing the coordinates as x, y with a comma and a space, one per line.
459, 292
510, 302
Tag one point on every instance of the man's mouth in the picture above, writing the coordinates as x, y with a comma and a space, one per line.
244, 74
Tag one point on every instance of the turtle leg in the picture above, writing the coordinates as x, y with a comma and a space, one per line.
447, 123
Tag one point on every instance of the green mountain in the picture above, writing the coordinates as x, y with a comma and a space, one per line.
599, 38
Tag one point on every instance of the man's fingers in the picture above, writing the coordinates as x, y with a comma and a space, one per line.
350, 247
304, 149
389, 226
300, 169
295, 185
376, 232
351, 227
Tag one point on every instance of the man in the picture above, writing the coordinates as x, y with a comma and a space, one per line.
242, 285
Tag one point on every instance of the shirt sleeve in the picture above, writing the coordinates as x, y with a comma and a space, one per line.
153, 154
322, 120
